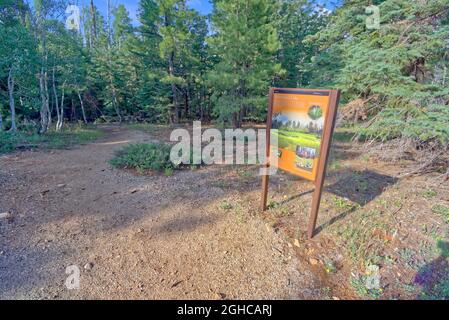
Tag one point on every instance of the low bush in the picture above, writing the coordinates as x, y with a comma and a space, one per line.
145, 156
30, 139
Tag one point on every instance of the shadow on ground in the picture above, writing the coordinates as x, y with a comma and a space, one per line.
117, 208
434, 276
359, 187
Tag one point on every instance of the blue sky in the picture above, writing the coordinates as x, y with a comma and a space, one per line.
203, 6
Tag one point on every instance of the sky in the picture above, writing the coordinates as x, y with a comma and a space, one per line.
203, 6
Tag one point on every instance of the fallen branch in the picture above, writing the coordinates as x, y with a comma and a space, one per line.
422, 168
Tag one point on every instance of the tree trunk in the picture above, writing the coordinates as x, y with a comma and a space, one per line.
49, 120
114, 93
55, 95
60, 125
186, 103
73, 108
109, 25
202, 101
44, 103
82, 108
45, 116
11, 101
115, 103
94, 19
171, 71
235, 120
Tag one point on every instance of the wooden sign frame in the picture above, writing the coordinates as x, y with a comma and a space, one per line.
329, 125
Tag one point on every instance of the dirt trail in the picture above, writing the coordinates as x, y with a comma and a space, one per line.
147, 237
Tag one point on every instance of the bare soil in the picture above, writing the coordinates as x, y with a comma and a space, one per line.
140, 237
200, 234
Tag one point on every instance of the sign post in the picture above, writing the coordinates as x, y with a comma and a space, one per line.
305, 121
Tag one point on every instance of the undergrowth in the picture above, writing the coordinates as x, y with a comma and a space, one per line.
30, 139
145, 156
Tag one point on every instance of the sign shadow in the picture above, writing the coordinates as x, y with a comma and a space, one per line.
434, 276
359, 187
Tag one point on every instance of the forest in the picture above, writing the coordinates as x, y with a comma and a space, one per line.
92, 206
178, 65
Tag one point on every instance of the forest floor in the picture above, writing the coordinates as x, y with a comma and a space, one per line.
200, 234
27, 138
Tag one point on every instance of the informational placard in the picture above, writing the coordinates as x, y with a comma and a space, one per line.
299, 117
303, 120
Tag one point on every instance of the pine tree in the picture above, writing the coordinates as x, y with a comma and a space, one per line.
245, 43
175, 50
296, 20
151, 95
396, 71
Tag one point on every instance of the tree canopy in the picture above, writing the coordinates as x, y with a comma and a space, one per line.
177, 65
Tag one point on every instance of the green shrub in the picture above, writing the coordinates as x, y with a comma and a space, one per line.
7, 142
29, 139
145, 156
441, 210
12, 141
225, 205
422, 124
71, 136
168, 172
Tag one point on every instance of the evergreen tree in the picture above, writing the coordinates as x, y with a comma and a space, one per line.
396, 70
245, 42
152, 95
174, 49
180, 65
296, 20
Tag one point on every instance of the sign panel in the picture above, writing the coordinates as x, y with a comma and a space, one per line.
299, 117
304, 120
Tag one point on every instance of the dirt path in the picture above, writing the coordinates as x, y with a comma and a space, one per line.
147, 237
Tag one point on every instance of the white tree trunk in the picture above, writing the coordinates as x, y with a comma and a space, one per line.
44, 102
47, 98
82, 107
115, 102
55, 94
109, 25
60, 124
11, 101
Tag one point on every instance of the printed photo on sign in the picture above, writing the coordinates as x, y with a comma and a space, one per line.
305, 157
299, 118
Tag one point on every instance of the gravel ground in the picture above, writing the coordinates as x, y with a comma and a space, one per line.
133, 237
